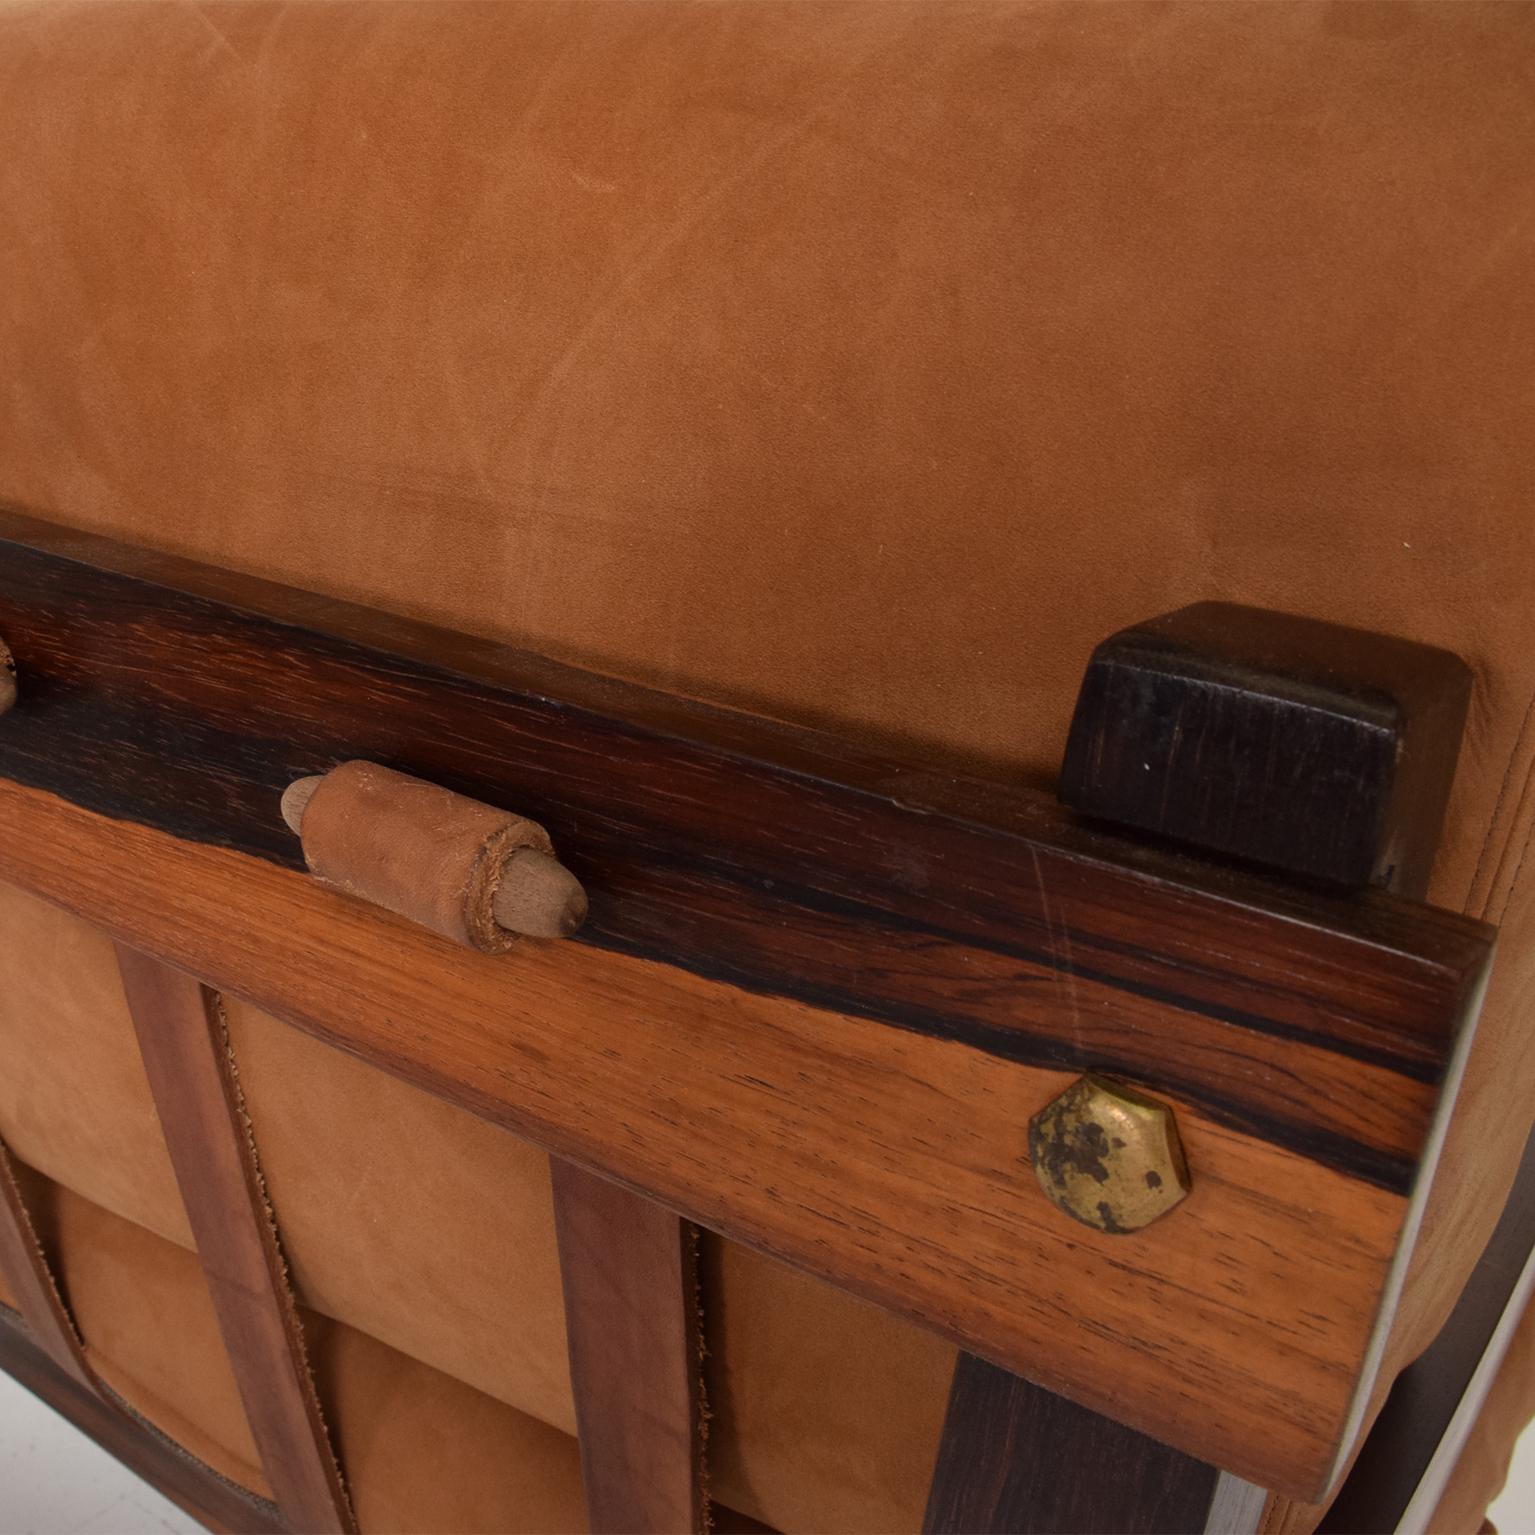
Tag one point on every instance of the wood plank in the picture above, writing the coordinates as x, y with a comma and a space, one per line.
1016, 1460
772, 859
891, 1165
860, 978
186, 1056
192, 1486
629, 1270
30, 1280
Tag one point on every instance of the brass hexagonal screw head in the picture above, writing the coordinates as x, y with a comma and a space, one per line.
1109, 1156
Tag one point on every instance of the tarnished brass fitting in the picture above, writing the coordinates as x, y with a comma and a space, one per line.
1109, 1156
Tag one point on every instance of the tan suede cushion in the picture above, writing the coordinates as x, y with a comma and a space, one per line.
862, 363
414, 1222
143, 1312
427, 1454
1482, 1469
422, 1452
74, 1100
408, 1218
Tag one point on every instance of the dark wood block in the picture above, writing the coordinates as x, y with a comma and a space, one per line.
1016, 1460
1310, 748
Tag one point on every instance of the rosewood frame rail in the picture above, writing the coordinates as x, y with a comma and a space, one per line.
856, 978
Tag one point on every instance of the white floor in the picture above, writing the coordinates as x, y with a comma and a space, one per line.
55, 1481
1514, 1511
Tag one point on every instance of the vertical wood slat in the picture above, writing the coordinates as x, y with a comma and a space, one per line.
182, 1039
629, 1270
30, 1281
1017, 1460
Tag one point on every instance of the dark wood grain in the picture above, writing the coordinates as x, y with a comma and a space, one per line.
198, 1489
770, 859
629, 1270
186, 1056
1240, 1329
823, 996
1016, 1460
30, 1280
1304, 746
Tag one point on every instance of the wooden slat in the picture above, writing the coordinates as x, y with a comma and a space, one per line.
186, 1055
887, 1164
1016, 1460
629, 1270
777, 860
29, 1279
894, 1167
859, 978
211, 1499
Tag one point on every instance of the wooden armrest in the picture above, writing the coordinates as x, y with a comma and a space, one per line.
818, 998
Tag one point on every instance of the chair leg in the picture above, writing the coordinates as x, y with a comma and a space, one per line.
1017, 1460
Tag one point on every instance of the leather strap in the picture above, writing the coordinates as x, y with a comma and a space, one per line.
186, 1054
629, 1269
26, 1271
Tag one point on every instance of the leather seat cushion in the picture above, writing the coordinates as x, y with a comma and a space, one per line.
422, 1450
864, 365
414, 1223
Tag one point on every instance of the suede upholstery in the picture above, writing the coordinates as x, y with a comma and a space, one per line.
74, 1100
1482, 1467
423, 1451
863, 364
143, 1312
827, 1411
450, 1218
413, 1222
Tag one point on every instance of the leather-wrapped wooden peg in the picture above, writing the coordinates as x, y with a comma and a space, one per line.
477, 875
